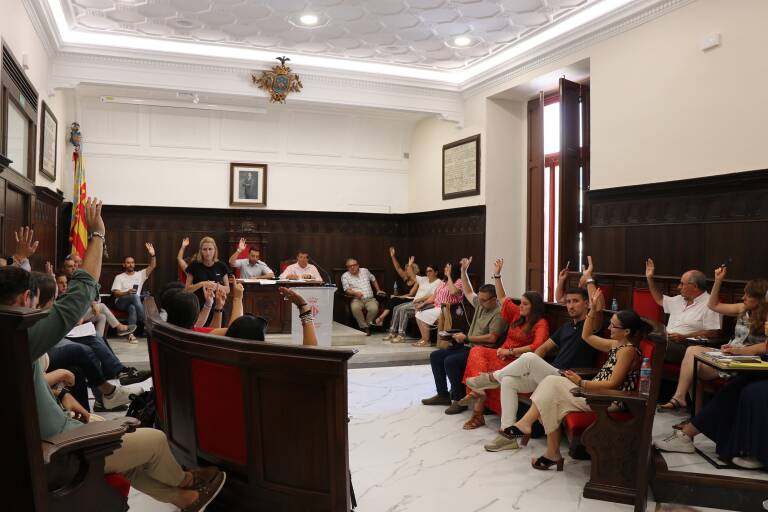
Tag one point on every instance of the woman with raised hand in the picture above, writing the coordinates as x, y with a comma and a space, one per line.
552, 399
448, 292
206, 270
528, 329
751, 313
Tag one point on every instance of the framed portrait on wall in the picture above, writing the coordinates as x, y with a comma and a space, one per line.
248, 184
48, 129
461, 168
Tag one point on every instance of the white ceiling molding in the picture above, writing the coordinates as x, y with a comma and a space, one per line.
584, 37
71, 70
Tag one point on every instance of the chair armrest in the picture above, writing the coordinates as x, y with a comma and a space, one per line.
585, 372
91, 434
609, 395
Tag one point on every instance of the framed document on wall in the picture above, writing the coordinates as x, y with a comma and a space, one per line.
48, 128
248, 184
461, 168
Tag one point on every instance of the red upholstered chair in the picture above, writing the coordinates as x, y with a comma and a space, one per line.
284, 264
644, 305
119, 483
182, 275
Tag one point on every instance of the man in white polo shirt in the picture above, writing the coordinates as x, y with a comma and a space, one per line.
126, 288
357, 283
689, 316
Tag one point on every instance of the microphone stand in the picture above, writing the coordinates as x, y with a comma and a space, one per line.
327, 274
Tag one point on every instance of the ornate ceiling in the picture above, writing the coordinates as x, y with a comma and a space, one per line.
412, 33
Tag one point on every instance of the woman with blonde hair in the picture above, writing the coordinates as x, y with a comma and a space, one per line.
751, 313
205, 270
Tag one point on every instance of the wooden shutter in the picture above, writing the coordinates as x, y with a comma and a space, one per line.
534, 277
570, 162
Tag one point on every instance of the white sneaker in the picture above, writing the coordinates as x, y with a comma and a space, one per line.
747, 462
120, 396
675, 442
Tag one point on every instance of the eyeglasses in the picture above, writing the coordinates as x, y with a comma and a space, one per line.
431, 270
614, 326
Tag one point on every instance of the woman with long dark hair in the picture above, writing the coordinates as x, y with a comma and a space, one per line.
528, 329
553, 399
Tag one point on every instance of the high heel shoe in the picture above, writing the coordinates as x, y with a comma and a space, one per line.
515, 433
543, 463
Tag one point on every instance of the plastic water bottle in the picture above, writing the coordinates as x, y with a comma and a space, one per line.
614, 305
394, 289
645, 377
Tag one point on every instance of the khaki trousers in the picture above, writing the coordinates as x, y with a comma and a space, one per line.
146, 460
522, 375
554, 400
371, 306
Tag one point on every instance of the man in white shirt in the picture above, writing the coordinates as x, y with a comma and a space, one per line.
251, 267
689, 316
302, 269
357, 283
126, 288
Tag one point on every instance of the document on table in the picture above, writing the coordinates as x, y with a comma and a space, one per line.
727, 357
84, 329
257, 281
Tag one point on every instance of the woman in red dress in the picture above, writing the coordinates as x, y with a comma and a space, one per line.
527, 330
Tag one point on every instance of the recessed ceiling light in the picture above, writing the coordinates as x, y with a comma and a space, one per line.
308, 19
462, 41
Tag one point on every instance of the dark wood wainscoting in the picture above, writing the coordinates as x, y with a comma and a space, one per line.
45, 222
330, 237
686, 224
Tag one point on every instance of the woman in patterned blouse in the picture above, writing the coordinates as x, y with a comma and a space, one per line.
552, 399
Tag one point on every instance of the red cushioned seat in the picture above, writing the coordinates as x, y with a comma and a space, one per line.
119, 483
577, 422
644, 305
204, 330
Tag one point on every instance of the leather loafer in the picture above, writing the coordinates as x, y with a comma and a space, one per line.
437, 400
455, 408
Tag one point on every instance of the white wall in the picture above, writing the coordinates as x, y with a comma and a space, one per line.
318, 159
425, 177
17, 32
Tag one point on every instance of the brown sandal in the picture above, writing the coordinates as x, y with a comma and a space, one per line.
421, 343
476, 421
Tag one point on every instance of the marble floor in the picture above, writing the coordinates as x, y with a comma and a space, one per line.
408, 457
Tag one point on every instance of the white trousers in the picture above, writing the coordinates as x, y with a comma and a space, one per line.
522, 375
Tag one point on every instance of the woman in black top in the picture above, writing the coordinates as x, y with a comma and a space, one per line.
206, 271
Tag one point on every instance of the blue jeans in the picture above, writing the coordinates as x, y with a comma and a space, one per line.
110, 364
451, 363
132, 304
82, 361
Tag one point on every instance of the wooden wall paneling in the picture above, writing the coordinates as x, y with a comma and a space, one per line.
433, 237
45, 222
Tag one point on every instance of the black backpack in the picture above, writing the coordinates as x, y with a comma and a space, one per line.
143, 409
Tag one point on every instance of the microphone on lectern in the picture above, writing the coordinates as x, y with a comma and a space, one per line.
328, 274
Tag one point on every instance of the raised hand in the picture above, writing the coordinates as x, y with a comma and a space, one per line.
208, 294
597, 302
392, 252
411, 260
184, 242
650, 268
237, 290
465, 263
448, 270
241, 245
498, 265
93, 219
49, 269
563, 274
587, 271
291, 295
150, 249
26, 245
220, 297
720, 272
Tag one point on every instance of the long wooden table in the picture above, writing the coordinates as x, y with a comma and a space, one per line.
265, 301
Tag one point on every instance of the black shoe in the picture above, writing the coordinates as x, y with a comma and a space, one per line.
455, 408
132, 376
437, 400
99, 407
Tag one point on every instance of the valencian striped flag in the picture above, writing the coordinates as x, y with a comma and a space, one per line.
78, 233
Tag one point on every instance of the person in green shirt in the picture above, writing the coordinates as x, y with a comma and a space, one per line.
144, 456
487, 328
